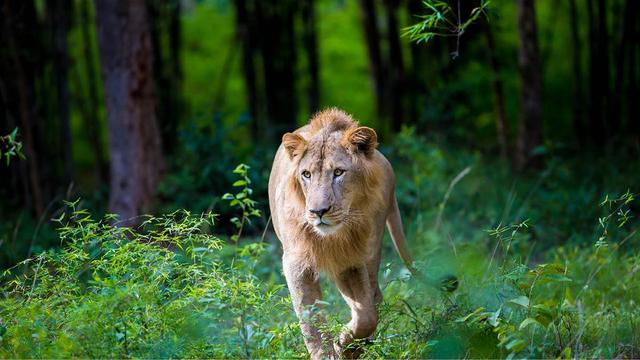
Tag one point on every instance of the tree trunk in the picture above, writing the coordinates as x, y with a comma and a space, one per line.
578, 100
91, 113
612, 126
633, 93
59, 10
502, 130
20, 32
279, 58
310, 44
245, 20
175, 74
134, 139
530, 133
625, 49
596, 68
372, 37
164, 19
396, 67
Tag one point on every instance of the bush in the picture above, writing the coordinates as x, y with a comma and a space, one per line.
164, 290
171, 288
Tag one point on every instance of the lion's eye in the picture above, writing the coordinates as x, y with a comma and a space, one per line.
306, 174
338, 172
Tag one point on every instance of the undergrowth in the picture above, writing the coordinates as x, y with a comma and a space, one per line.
177, 287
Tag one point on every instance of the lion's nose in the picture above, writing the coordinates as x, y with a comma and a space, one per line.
320, 212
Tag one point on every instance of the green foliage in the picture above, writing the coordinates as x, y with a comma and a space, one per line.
171, 288
163, 290
242, 200
10, 146
442, 20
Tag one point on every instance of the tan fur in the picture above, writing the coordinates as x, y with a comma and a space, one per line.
345, 241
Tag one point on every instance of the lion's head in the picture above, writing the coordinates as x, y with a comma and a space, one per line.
333, 172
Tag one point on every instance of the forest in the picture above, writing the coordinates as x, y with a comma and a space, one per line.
137, 138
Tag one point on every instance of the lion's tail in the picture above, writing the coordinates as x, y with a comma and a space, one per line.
394, 224
447, 283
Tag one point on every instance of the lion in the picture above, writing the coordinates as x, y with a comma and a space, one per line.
330, 194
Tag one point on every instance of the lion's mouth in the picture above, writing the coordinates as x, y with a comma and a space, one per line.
324, 227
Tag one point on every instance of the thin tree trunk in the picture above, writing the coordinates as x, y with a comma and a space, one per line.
633, 93
530, 132
372, 37
417, 80
613, 124
279, 58
175, 72
501, 123
61, 23
244, 19
578, 99
134, 138
623, 49
20, 19
596, 95
396, 67
310, 42
91, 114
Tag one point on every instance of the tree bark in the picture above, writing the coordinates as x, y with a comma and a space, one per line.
310, 43
20, 32
596, 81
530, 132
502, 129
92, 119
624, 54
278, 51
164, 21
578, 99
396, 67
372, 37
245, 33
134, 139
61, 23
612, 126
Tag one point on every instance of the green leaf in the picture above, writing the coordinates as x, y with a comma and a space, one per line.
239, 183
516, 345
528, 321
493, 319
475, 312
520, 300
227, 196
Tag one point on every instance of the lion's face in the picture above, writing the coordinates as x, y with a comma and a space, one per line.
330, 174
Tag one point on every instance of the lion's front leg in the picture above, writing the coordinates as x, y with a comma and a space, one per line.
304, 287
356, 289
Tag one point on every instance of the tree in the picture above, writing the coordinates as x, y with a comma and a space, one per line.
396, 67
59, 11
530, 132
164, 22
372, 38
246, 34
502, 130
578, 99
310, 43
90, 107
19, 72
134, 139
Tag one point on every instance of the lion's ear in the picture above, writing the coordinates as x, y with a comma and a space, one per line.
362, 139
294, 144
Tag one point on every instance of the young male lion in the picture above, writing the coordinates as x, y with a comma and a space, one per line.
330, 194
